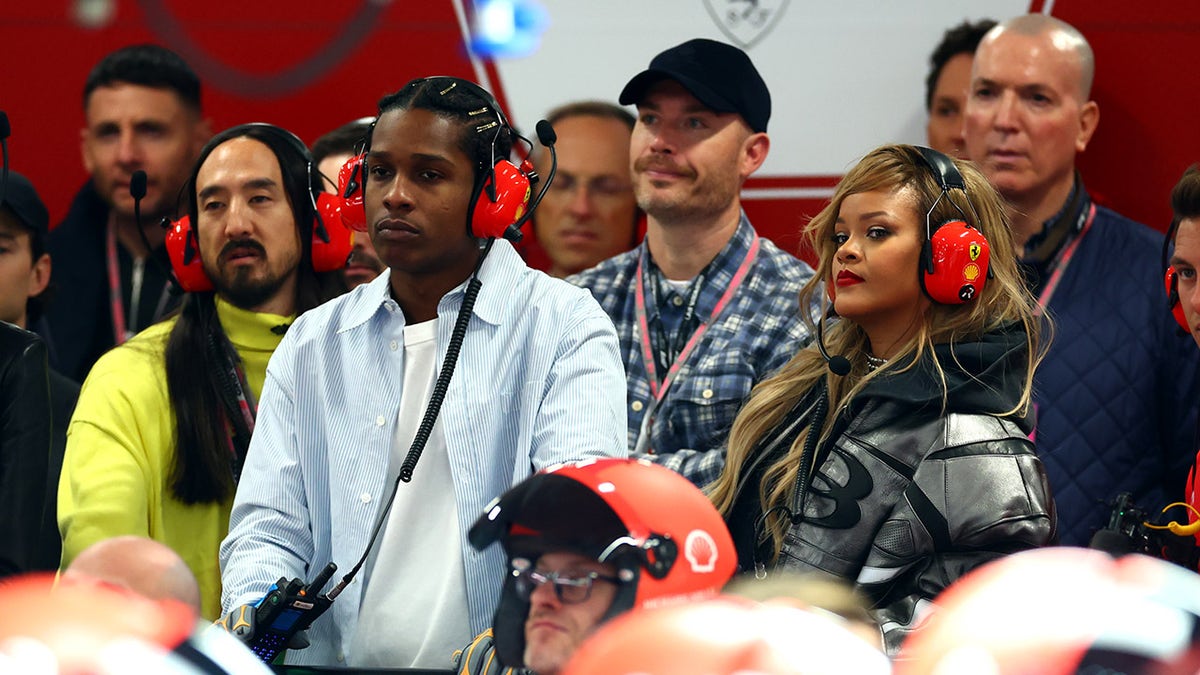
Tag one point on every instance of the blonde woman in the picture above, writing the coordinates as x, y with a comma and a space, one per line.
914, 464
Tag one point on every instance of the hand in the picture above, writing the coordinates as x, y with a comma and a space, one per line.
240, 622
479, 658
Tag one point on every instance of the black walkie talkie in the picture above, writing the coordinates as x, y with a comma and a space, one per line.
288, 608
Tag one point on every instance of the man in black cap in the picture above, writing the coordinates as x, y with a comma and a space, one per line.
704, 308
24, 276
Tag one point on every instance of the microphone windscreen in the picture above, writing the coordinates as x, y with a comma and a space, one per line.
137, 184
5, 130
545, 133
1111, 542
839, 365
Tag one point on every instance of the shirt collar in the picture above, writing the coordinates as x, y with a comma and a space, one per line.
498, 275
1059, 228
251, 330
718, 274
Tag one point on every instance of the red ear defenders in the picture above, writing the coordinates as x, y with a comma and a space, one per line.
500, 198
955, 257
1171, 279
1172, 283
332, 241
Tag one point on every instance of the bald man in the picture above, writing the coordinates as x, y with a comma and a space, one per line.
142, 565
1116, 392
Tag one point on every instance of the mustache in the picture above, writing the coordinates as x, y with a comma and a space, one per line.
658, 162
242, 244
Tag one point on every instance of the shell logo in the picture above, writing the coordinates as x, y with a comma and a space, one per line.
700, 549
971, 271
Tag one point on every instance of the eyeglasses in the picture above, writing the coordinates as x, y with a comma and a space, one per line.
570, 587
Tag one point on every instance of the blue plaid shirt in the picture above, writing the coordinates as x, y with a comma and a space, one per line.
758, 332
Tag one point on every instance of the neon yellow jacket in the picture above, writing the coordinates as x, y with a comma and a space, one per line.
120, 446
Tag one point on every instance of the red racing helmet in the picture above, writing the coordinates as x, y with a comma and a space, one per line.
727, 636
1061, 611
661, 533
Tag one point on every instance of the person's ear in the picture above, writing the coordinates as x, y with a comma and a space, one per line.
85, 152
754, 153
1089, 119
39, 276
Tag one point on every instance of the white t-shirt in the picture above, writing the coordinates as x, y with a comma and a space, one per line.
414, 608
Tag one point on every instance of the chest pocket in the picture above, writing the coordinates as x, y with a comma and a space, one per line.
703, 408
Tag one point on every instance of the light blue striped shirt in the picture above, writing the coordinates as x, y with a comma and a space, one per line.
539, 381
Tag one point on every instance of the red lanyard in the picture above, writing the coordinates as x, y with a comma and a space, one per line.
114, 288
117, 307
1060, 267
659, 389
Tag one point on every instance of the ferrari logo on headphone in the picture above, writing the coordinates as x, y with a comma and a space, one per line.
974, 251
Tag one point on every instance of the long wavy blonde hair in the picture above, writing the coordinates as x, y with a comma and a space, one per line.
1003, 300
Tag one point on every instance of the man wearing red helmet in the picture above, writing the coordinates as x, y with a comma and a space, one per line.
589, 541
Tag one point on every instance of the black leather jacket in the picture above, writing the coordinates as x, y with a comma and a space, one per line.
907, 497
25, 432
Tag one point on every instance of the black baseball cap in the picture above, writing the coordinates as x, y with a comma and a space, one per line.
720, 76
26, 205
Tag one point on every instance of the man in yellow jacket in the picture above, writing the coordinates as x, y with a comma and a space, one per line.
163, 422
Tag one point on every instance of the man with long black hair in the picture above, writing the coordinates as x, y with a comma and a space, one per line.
351, 404
163, 422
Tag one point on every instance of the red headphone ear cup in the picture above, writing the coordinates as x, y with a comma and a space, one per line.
332, 240
511, 188
1171, 279
960, 256
184, 251
351, 178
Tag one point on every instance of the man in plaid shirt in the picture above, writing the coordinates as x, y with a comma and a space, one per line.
704, 308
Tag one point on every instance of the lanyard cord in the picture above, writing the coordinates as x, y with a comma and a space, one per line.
122, 329
1062, 260
669, 348
240, 407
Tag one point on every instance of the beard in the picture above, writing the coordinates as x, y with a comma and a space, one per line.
248, 287
699, 197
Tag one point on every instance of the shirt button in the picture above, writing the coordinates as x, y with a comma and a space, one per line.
394, 345
341, 657
379, 421
707, 393
637, 406
365, 497
677, 301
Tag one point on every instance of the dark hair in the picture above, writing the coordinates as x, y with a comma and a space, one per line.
200, 470
486, 133
961, 39
592, 109
149, 66
348, 138
1185, 196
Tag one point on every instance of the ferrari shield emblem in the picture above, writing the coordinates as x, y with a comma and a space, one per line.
746, 22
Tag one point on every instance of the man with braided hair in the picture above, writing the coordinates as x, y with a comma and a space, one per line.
354, 431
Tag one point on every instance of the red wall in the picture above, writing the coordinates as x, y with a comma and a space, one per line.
256, 44
1148, 89
1145, 82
